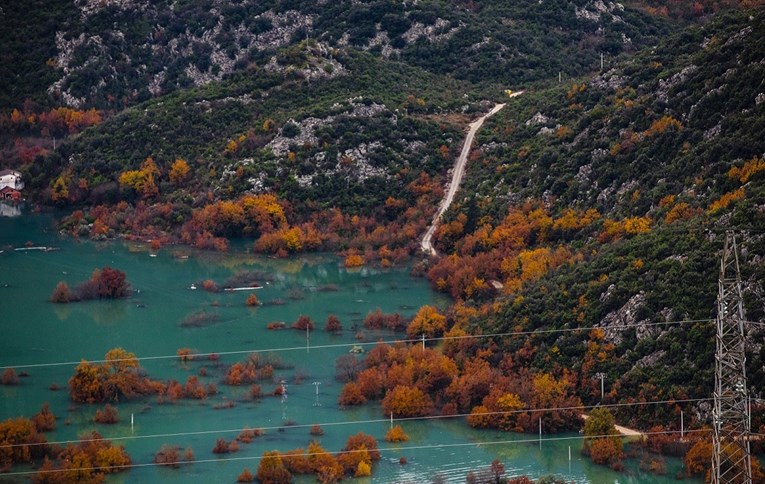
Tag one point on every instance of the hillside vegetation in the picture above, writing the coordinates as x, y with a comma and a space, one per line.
585, 239
603, 203
110, 55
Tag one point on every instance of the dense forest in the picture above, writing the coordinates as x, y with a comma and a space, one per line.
586, 234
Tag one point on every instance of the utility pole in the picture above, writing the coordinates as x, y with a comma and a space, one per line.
283, 399
602, 377
731, 459
316, 384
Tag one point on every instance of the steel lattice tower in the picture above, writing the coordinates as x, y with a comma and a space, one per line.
731, 462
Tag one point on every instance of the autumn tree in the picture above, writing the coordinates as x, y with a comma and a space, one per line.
62, 293
112, 283
141, 181
351, 395
406, 401
19, 441
354, 260
185, 354
246, 476
333, 324
396, 434
323, 464
428, 322
9, 377
359, 448
44, 420
107, 415
750, 168
168, 455
120, 376
86, 462
223, 447
698, 459
303, 323
499, 410
601, 439
106, 283
179, 172
347, 367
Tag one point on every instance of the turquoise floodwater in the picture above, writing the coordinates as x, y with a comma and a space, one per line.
47, 340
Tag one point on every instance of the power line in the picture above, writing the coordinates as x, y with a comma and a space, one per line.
381, 450
369, 343
371, 421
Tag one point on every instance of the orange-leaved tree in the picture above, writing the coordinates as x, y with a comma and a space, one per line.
428, 322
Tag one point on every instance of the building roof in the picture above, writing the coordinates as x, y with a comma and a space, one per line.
7, 189
9, 172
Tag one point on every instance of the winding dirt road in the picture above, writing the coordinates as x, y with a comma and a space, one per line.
459, 172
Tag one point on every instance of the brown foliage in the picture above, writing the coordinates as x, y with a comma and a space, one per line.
602, 441
168, 455
333, 324
405, 401
366, 441
185, 354
605, 451
698, 460
247, 435
428, 322
323, 464
86, 462
663, 124
351, 394
44, 420
272, 470
347, 367
750, 168
302, 323
252, 300
725, 200
379, 320
223, 447
296, 461
9, 377
119, 377
396, 434
681, 211
354, 260
179, 171
104, 283
19, 441
246, 476
61, 294
249, 371
107, 415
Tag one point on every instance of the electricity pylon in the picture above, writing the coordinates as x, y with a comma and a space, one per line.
731, 461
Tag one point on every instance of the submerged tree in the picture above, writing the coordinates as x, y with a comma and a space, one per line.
601, 439
271, 469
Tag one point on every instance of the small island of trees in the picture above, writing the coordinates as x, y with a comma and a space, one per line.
104, 283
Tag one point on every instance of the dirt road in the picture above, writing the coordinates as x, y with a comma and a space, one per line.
457, 174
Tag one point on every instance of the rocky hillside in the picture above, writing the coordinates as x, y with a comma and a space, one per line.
604, 203
116, 53
600, 201
314, 123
